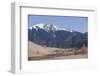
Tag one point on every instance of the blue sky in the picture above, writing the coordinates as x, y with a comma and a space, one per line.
72, 22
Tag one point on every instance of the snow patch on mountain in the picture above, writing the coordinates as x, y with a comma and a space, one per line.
48, 27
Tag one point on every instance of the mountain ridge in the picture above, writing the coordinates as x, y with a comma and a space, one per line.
48, 27
49, 35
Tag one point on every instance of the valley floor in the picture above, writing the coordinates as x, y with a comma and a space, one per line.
37, 52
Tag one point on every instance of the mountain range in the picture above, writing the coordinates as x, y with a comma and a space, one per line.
50, 35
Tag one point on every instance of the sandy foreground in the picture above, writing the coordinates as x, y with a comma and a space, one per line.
38, 52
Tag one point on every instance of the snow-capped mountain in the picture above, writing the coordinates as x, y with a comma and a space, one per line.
52, 36
48, 27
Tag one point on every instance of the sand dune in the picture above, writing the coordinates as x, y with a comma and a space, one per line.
36, 51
